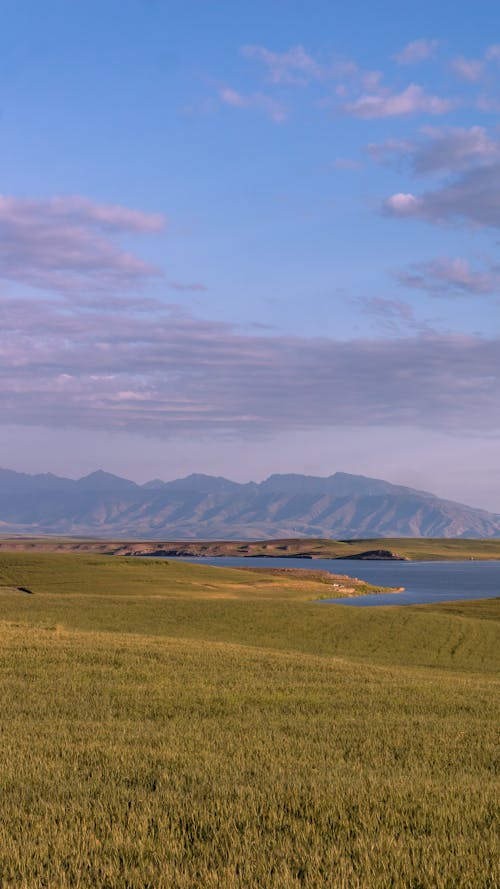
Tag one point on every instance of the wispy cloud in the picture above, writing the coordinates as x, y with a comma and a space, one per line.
384, 103
181, 286
416, 51
442, 150
80, 210
455, 149
473, 198
361, 93
258, 101
167, 373
449, 277
488, 104
65, 243
471, 70
492, 53
294, 66
391, 315
385, 152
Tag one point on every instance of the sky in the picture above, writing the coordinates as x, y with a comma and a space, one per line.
246, 238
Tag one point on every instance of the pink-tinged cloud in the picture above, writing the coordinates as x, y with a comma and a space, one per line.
391, 315
293, 66
488, 104
449, 277
470, 70
455, 148
371, 81
492, 53
443, 149
255, 101
416, 51
167, 373
75, 209
385, 152
471, 198
413, 100
403, 204
346, 69
65, 243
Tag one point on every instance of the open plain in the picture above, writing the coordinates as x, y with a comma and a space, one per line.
172, 726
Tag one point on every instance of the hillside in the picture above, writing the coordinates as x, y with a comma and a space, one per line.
206, 507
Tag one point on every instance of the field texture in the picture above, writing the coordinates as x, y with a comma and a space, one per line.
169, 726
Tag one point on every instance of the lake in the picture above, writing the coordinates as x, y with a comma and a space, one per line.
424, 582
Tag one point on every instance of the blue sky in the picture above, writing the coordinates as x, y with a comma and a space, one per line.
249, 238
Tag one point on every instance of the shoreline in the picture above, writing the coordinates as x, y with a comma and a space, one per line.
418, 549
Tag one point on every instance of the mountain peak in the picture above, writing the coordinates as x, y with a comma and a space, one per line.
104, 481
201, 506
202, 483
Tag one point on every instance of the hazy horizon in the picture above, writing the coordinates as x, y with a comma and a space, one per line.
252, 243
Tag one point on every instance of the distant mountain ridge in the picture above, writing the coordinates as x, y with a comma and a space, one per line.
208, 507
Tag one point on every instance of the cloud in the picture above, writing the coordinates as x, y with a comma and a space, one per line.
449, 277
492, 53
447, 149
294, 66
77, 209
413, 100
470, 70
391, 314
350, 77
488, 104
258, 101
195, 287
403, 204
416, 51
166, 373
65, 243
455, 149
472, 198
384, 152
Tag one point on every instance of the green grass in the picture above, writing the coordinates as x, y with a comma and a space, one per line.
172, 726
143, 578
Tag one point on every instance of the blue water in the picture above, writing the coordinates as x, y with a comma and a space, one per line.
424, 582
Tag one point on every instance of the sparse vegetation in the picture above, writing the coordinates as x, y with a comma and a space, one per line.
413, 548
172, 726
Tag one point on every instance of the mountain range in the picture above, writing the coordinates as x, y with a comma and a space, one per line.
206, 507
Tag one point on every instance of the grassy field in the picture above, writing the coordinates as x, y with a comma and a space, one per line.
171, 726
